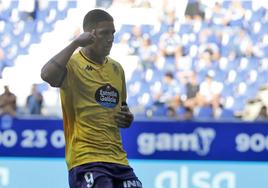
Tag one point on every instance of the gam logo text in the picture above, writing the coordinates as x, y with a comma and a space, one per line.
198, 141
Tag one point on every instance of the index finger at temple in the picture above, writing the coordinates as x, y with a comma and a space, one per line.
93, 31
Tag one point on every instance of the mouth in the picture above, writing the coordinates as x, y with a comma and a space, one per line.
108, 47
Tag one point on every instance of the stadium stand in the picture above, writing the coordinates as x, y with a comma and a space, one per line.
228, 41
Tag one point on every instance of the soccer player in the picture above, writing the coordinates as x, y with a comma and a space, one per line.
93, 96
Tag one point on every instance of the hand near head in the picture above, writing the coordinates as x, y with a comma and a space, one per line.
124, 117
85, 39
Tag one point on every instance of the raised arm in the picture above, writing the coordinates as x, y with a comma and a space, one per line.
54, 70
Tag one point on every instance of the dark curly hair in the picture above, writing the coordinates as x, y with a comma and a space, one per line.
93, 17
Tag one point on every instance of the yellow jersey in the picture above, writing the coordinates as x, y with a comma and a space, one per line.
91, 94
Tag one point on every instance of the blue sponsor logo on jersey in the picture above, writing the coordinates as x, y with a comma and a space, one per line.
107, 96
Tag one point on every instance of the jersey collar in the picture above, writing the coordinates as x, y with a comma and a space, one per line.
90, 60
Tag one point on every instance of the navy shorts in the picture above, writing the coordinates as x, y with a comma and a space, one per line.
103, 175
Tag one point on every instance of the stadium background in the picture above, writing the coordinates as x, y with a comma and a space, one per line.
226, 149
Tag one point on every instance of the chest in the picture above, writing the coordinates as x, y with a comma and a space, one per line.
89, 78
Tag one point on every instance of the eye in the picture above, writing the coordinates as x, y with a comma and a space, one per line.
107, 32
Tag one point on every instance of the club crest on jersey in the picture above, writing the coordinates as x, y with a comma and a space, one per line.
107, 96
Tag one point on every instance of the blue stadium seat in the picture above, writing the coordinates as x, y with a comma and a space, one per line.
239, 103
265, 51
257, 15
247, 4
226, 4
220, 75
124, 29
42, 87
137, 75
30, 26
62, 14
160, 111
180, 112
52, 5
201, 74
14, 4
264, 28
253, 63
252, 90
237, 23
233, 64
42, 14
204, 112
164, 28
241, 76
226, 114
155, 38
146, 29
72, 4
132, 101
262, 77
8, 28
157, 75
185, 28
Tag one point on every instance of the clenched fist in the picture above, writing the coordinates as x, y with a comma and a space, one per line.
124, 117
85, 39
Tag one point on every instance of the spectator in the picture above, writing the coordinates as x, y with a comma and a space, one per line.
192, 89
147, 54
209, 94
242, 44
263, 114
218, 15
104, 3
168, 17
169, 95
169, 42
2, 61
194, 9
122, 47
34, 101
28, 9
183, 62
235, 13
136, 39
142, 4
8, 102
204, 61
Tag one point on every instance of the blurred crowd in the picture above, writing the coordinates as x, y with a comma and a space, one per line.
208, 62
33, 103
22, 23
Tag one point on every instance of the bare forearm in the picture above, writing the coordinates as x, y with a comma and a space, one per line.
54, 70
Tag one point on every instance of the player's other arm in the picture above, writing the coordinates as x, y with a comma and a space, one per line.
124, 117
54, 70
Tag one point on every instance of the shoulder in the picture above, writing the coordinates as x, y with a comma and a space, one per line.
111, 60
75, 57
114, 63
74, 62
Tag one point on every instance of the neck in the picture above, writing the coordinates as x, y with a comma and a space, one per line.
93, 56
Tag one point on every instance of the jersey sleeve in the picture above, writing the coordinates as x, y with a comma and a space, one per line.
69, 72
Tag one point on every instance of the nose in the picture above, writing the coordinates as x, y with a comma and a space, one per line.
111, 38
